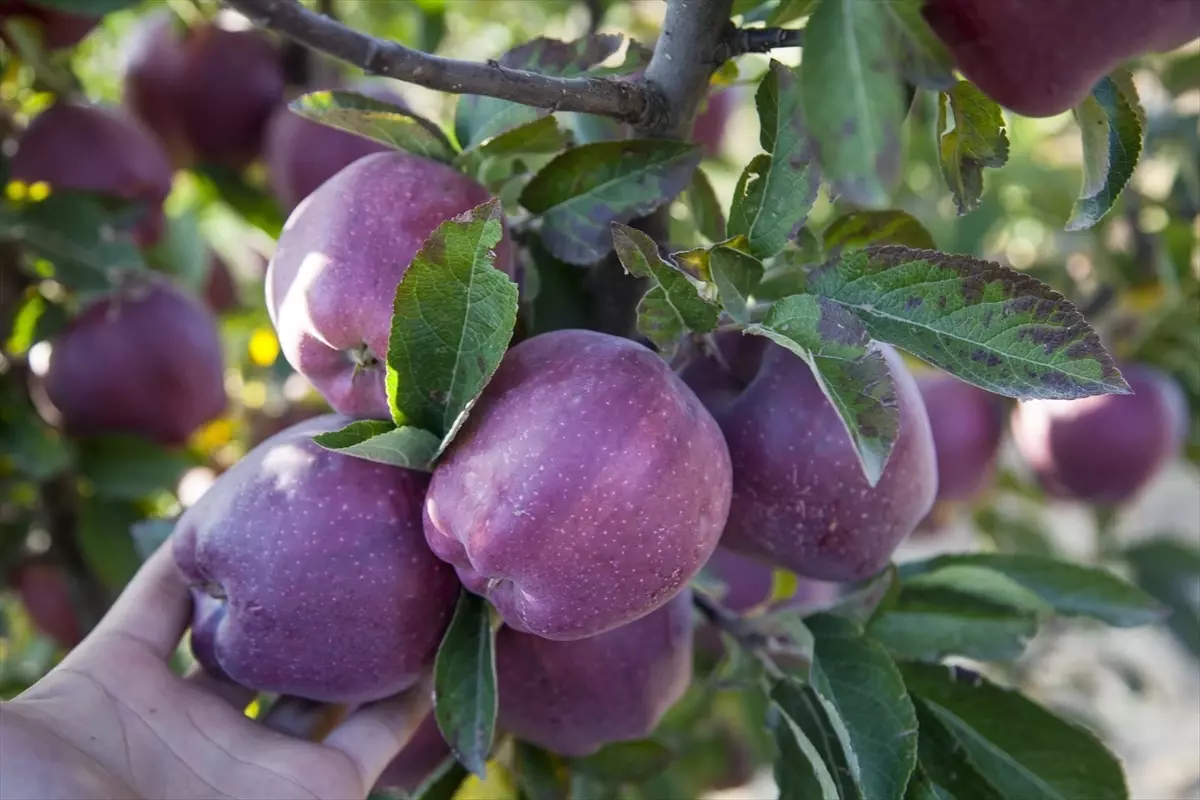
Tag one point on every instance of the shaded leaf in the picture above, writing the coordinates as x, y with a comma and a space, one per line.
383, 442
706, 209
87, 7
554, 292
801, 704
1019, 747
104, 536
452, 320
252, 203
863, 695
621, 762
971, 136
923, 59
443, 783
852, 374
533, 138
1110, 122
852, 99
582, 191
736, 276
375, 120
149, 535
478, 119
990, 325
945, 761
637, 58
33, 448
928, 624
673, 306
542, 775
858, 229
1170, 572
465, 683
800, 772
1068, 588
128, 467
776, 191
787, 273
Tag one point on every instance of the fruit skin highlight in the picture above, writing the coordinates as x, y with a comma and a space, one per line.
588, 486
310, 573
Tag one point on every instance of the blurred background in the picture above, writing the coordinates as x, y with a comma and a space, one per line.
1136, 275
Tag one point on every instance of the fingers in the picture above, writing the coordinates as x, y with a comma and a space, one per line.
374, 734
237, 696
154, 609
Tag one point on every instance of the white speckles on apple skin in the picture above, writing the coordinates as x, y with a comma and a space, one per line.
331, 591
572, 697
800, 499
332, 280
588, 478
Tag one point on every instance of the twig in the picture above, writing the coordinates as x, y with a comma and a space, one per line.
761, 40
756, 643
629, 101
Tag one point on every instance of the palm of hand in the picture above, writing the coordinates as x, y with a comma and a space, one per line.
113, 721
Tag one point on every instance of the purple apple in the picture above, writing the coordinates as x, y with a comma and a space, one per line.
91, 148
206, 91
302, 154
425, 752
58, 28
311, 576
748, 584
709, 128
45, 592
1105, 448
967, 425
145, 360
574, 697
588, 486
800, 499
332, 281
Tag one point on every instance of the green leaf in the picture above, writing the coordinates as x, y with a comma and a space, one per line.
930, 623
182, 251
542, 775
149, 535
800, 772
251, 202
790, 10
851, 373
863, 694
736, 276
376, 440
802, 705
104, 535
1016, 745
33, 448
626, 762
443, 784
673, 306
452, 320
706, 209
858, 229
375, 120
787, 273
776, 191
1070, 589
129, 468
465, 683
1168, 571
990, 325
479, 119
923, 59
852, 99
79, 234
944, 760
554, 293
582, 191
1110, 122
637, 58
533, 138
971, 136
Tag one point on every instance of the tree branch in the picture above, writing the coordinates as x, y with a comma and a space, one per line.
761, 40
628, 101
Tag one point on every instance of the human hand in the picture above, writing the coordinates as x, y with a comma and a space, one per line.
113, 721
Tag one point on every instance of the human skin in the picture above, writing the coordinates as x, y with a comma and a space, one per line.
332, 280
144, 360
93, 148
588, 486
574, 697
1105, 448
424, 753
800, 499
113, 721
310, 572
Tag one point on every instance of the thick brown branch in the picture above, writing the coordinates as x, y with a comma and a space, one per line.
688, 51
628, 101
